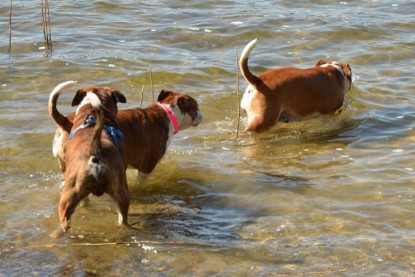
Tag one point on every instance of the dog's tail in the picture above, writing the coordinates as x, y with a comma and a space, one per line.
59, 118
95, 166
96, 137
243, 65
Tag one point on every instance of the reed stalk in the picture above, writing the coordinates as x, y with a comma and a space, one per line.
142, 96
47, 34
10, 26
151, 83
237, 93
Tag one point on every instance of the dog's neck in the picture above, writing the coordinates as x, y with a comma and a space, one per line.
338, 67
172, 117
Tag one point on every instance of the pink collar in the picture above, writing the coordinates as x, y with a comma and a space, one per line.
171, 115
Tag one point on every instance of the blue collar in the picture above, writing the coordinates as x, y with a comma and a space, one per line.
90, 120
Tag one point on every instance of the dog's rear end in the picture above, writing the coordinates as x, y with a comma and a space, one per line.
94, 163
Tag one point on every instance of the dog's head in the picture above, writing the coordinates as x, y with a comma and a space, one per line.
184, 107
109, 98
344, 69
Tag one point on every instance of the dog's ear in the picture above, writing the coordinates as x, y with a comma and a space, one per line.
163, 95
118, 96
320, 63
80, 94
185, 103
347, 69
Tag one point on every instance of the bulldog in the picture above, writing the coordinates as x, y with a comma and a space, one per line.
147, 132
288, 94
94, 155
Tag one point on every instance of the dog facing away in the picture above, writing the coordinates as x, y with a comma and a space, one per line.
148, 132
94, 156
289, 94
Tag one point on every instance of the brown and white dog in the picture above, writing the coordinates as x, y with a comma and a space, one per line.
94, 156
288, 94
148, 132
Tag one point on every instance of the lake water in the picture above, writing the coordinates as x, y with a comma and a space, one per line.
331, 196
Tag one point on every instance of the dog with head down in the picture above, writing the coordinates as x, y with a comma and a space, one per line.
291, 94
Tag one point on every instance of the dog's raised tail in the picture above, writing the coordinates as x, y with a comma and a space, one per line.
95, 167
243, 65
59, 118
96, 137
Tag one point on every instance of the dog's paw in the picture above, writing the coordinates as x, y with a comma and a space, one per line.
57, 234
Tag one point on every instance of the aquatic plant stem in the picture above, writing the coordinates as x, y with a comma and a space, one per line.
151, 83
47, 34
142, 96
237, 93
10, 26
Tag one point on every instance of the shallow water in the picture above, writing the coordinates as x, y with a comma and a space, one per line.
328, 196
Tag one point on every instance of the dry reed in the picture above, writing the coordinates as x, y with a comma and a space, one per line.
237, 94
142, 96
151, 83
10, 26
47, 33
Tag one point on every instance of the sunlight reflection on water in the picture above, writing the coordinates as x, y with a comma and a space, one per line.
332, 195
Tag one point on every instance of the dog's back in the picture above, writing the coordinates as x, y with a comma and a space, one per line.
146, 134
86, 148
94, 159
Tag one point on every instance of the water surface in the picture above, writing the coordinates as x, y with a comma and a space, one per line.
329, 196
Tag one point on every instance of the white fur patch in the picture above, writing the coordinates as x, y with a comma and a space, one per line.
57, 144
184, 120
337, 66
62, 86
248, 48
246, 52
247, 98
58, 90
92, 99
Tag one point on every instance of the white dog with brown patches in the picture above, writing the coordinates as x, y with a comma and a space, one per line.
288, 94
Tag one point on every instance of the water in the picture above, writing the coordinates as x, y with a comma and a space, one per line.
325, 197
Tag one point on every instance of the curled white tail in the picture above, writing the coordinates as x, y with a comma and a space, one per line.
243, 64
53, 98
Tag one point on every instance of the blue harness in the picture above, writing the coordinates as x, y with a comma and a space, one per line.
90, 120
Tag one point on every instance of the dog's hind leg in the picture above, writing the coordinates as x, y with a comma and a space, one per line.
141, 177
122, 199
70, 198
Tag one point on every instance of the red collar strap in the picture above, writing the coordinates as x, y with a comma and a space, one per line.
171, 115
